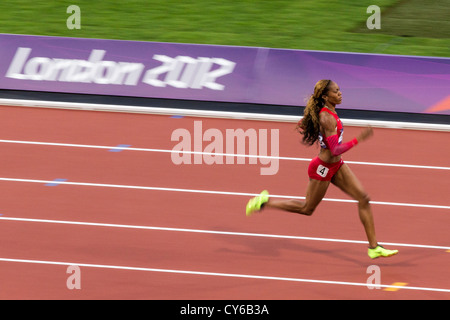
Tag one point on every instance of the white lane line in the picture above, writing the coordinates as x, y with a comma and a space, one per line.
218, 154
230, 233
217, 274
105, 185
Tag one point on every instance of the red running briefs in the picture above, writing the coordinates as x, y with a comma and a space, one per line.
323, 171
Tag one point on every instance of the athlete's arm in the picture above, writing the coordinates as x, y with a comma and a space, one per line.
336, 148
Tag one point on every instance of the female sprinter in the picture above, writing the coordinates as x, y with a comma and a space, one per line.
321, 123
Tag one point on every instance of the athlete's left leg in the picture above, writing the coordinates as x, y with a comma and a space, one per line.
346, 180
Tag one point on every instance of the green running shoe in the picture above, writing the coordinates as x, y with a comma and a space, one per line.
379, 251
255, 203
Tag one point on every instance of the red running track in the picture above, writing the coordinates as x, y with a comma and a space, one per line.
139, 243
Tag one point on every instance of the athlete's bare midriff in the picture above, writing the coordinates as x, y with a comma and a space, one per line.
326, 156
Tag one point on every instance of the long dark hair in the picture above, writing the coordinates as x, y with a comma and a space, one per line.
309, 126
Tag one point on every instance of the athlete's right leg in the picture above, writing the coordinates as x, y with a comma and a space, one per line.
314, 194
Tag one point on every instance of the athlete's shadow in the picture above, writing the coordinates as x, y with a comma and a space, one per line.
291, 249
305, 250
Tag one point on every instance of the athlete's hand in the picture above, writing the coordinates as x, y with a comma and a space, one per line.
365, 134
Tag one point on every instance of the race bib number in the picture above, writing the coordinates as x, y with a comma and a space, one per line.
322, 171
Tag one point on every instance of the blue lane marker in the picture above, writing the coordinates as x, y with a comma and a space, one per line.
119, 147
177, 117
55, 183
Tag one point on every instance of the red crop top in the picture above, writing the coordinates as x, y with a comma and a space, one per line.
334, 142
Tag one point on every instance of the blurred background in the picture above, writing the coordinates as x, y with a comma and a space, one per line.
413, 89
408, 27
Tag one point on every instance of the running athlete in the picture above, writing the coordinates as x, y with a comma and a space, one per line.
321, 123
